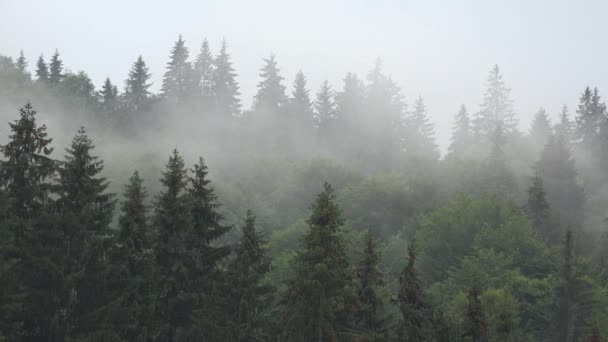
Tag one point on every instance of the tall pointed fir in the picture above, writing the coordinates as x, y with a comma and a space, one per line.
496, 108
173, 302
540, 128
475, 325
419, 137
86, 210
109, 98
590, 117
225, 88
565, 127
370, 279
319, 298
42, 70
203, 71
416, 312
131, 267
249, 298
350, 117
537, 207
325, 110
565, 195
32, 246
137, 84
22, 65
497, 177
300, 104
461, 141
271, 91
55, 70
177, 80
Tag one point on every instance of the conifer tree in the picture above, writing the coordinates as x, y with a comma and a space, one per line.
225, 88
590, 117
461, 134
86, 210
497, 176
325, 109
109, 97
300, 103
475, 327
136, 85
369, 278
55, 70
177, 80
203, 70
250, 298
42, 70
271, 91
22, 65
565, 196
419, 139
496, 108
538, 209
415, 311
565, 126
319, 297
541, 128
350, 101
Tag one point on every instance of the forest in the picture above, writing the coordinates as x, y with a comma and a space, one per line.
328, 215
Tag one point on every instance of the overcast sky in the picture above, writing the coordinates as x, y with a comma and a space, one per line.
548, 50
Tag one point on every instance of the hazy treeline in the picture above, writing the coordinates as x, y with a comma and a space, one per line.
501, 238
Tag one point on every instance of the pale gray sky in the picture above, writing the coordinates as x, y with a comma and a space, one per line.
548, 50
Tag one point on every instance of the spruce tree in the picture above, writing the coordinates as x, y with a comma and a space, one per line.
461, 141
225, 89
541, 128
319, 297
249, 298
300, 103
177, 80
136, 85
22, 65
419, 139
109, 97
325, 109
590, 117
565, 127
415, 311
42, 70
538, 209
55, 70
475, 328
203, 70
496, 108
271, 91
369, 278
86, 210
497, 176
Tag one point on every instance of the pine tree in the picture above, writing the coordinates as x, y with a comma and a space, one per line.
369, 278
475, 327
177, 80
174, 304
225, 88
250, 298
86, 210
301, 105
325, 109
319, 297
203, 71
136, 85
271, 92
590, 117
420, 134
564, 194
541, 128
461, 135
42, 71
496, 108
565, 126
497, 176
415, 311
55, 70
350, 101
109, 97
538, 209
130, 266
22, 65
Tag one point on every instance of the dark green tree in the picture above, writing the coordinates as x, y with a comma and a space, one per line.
325, 109
370, 279
225, 88
203, 71
22, 65
496, 108
475, 326
42, 70
137, 84
416, 313
300, 103
177, 80
55, 70
271, 91
319, 298
250, 298
109, 98
461, 141
591, 114
537, 207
